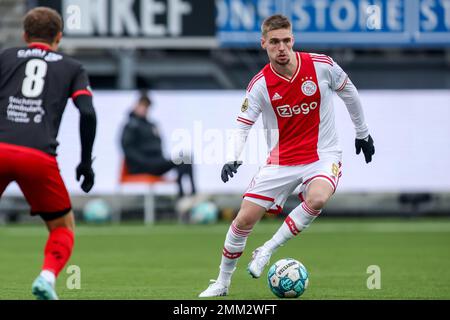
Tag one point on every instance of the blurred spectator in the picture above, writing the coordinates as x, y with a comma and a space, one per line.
142, 147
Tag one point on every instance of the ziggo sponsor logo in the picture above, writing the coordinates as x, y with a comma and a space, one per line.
288, 111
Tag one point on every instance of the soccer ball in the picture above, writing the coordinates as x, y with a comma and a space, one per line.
204, 213
288, 278
97, 211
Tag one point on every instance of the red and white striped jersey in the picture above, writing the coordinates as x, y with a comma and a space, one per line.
298, 113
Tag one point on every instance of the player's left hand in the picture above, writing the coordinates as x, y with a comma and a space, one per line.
367, 147
85, 170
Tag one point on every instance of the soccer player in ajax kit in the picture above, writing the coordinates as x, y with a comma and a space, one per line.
35, 84
294, 94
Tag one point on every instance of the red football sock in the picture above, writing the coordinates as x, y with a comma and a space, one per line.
58, 249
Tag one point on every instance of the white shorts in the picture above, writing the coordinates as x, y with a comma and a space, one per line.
273, 184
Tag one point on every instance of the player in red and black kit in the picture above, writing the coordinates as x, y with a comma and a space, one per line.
35, 84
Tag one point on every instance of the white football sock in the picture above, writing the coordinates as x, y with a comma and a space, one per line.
49, 276
234, 246
298, 220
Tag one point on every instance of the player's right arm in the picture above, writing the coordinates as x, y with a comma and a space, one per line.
82, 98
249, 113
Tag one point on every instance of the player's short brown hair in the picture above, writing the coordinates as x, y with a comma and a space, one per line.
43, 24
275, 22
144, 99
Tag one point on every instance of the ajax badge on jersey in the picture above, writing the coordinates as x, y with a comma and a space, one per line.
309, 88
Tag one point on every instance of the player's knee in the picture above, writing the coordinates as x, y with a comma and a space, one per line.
244, 222
248, 215
66, 221
316, 201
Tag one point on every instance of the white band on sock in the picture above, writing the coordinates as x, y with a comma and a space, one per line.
301, 217
240, 232
297, 221
235, 241
310, 210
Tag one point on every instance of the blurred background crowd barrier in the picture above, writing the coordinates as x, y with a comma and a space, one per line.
197, 57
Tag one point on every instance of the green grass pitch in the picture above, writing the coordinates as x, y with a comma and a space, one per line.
176, 261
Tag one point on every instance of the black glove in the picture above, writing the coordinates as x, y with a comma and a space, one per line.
229, 168
367, 147
85, 170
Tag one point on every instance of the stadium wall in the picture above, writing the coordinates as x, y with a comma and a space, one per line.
410, 129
